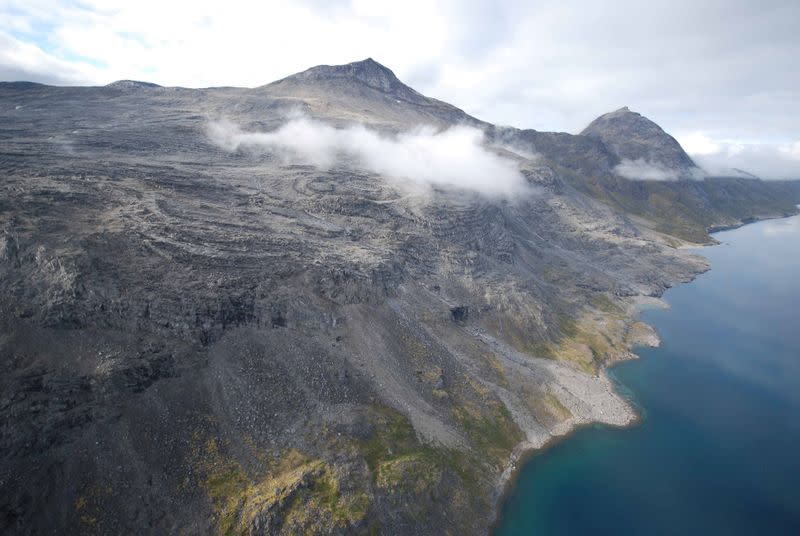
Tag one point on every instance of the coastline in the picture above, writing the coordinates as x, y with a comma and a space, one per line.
526, 450
753, 219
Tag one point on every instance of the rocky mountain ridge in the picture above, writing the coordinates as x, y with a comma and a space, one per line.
204, 340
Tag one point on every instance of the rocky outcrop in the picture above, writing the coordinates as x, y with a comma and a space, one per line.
631, 136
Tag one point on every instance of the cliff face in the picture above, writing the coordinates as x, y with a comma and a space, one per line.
210, 341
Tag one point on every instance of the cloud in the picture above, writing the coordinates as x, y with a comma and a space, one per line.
698, 143
453, 158
507, 139
21, 61
546, 65
744, 159
643, 170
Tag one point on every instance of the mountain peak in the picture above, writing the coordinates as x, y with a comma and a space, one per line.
622, 119
367, 71
632, 136
132, 84
366, 91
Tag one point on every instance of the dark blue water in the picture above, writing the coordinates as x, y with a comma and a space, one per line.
718, 451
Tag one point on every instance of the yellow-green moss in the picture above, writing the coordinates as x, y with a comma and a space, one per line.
393, 440
296, 489
410, 473
322, 506
88, 507
498, 368
494, 433
551, 406
393, 435
595, 337
603, 303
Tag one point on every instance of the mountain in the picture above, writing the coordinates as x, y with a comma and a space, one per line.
631, 136
367, 72
605, 160
363, 91
205, 339
132, 84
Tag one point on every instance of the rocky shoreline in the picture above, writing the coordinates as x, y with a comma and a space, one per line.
625, 418
526, 450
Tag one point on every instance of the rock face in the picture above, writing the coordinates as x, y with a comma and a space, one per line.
368, 72
631, 136
196, 340
366, 92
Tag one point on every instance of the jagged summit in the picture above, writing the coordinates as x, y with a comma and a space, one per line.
632, 136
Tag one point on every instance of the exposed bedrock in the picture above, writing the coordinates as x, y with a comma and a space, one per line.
199, 340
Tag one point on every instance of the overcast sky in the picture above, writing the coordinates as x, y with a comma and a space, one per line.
721, 76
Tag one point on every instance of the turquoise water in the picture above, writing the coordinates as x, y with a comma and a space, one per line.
718, 451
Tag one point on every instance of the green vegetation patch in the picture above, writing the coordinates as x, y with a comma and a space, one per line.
494, 434
298, 494
409, 474
323, 506
393, 454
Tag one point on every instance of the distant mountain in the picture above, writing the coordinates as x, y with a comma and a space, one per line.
368, 72
132, 84
367, 92
631, 136
602, 161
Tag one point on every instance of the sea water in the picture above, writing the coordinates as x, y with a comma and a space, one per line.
718, 450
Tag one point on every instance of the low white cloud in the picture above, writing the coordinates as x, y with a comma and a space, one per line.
20, 61
506, 138
645, 171
698, 143
743, 159
791, 150
455, 157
